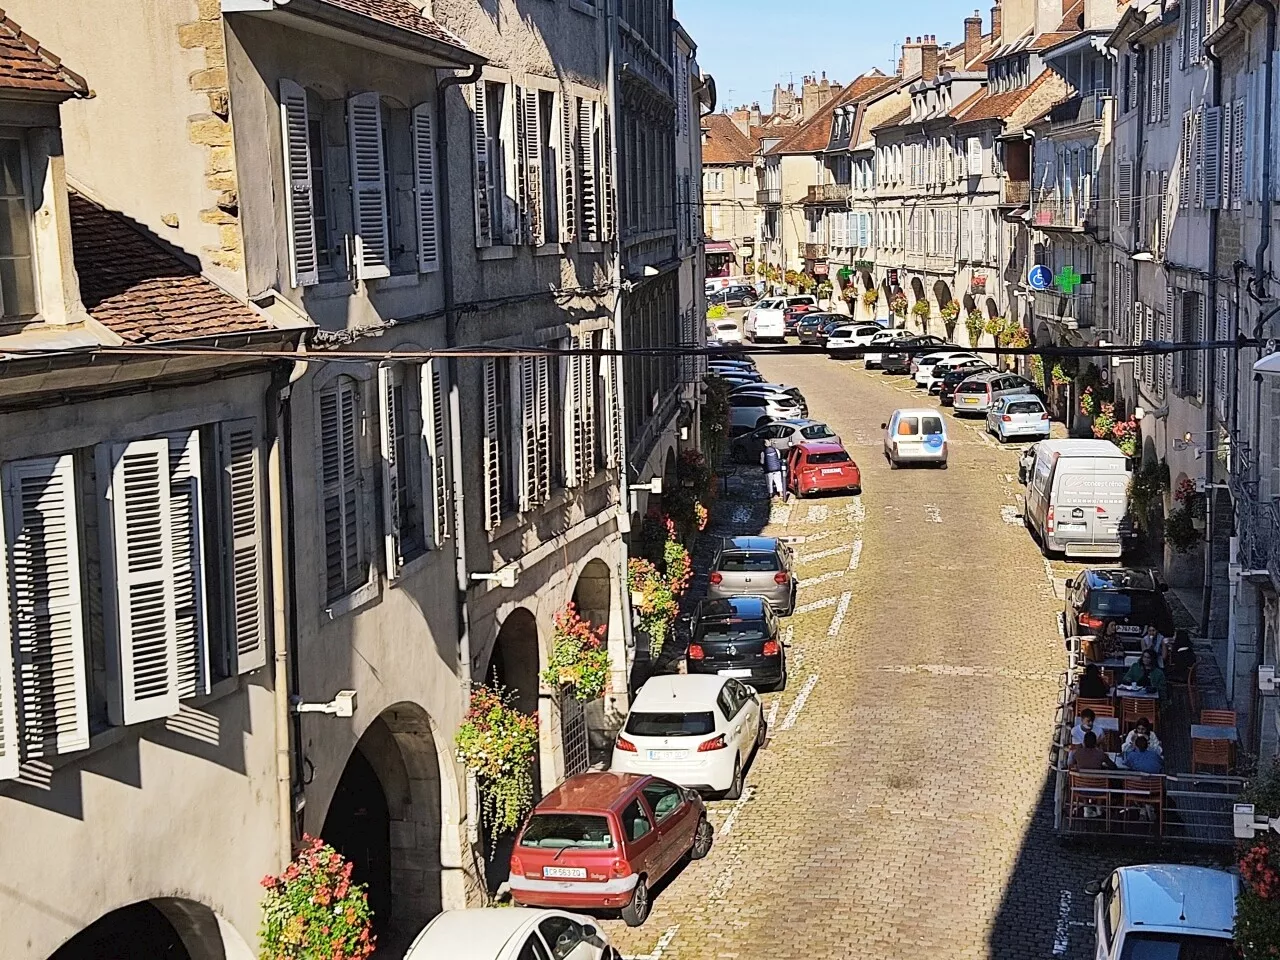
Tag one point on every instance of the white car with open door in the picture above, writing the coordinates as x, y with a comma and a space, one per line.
848, 341
1165, 910
511, 933
877, 343
696, 730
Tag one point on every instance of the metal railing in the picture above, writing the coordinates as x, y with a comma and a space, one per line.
813, 251
773, 195
1073, 311
1090, 109
1017, 192
828, 193
1076, 213
1259, 531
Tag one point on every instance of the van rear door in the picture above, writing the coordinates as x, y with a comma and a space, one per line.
1089, 498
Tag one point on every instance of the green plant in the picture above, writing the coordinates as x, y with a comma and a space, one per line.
1104, 422
1014, 336
1125, 436
1063, 371
949, 311
579, 662
1257, 928
713, 418
974, 325
313, 911
898, 305
1037, 370
654, 602
498, 744
717, 311
1145, 490
921, 309
870, 298
823, 290
995, 327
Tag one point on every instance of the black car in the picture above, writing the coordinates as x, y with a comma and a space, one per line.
738, 295
952, 379
966, 369
1133, 599
898, 360
809, 327
738, 637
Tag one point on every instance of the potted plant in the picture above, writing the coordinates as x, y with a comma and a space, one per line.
1257, 926
950, 313
870, 298
313, 911
498, 744
974, 326
921, 311
579, 663
1125, 436
898, 305
996, 327
1104, 423
1146, 488
653, 600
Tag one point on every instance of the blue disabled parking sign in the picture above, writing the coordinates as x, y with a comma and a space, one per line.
1040, 277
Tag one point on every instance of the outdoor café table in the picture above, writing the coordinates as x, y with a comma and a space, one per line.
1106, 724
1206, 731
1136, 693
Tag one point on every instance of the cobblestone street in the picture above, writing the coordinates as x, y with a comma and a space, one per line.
902, 806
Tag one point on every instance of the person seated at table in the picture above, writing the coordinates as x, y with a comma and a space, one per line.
1146, 674
1154, 641
1089, 756
1092, 685
1142, 759
1111, 644
1084, 725
1142, 729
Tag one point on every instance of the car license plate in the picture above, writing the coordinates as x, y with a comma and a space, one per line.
972, 400
565, 873
1072, 527
734, 673
666, 754
830, 470
1128, 628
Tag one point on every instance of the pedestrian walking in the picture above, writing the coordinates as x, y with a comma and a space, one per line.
772, 464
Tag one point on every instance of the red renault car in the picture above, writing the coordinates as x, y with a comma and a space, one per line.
601, 841
821, 466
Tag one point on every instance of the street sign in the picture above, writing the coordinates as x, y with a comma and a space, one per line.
1067, 280
893, 278
1039, 277
978, 284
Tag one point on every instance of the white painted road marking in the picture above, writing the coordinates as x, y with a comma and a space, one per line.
932, 514
1010, 478
780, 513
817, 605
1010, 515
772, 716
740, 514
1061, 936
822, 555
838, 620
741, 802
818, 513
789, 720
822, 579
857, 512
660, 947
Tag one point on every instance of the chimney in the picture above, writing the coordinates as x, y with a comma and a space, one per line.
1048, 16
996, 36
972, 37
911, 59
929, 59
755, 114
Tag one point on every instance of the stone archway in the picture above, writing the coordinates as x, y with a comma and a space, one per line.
386, 817
917, 289
584, 728
166, 927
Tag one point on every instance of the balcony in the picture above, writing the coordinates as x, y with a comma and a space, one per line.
1075, 214
1079, 111
1074, 311
1017, 193
940, 263
812, 251
1257, 520
766, 198
820, 193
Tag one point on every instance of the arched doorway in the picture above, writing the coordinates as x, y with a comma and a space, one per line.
162, 929
385, 817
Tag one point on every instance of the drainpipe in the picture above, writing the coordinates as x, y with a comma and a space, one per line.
1260, 257
1209, 372
1136, 190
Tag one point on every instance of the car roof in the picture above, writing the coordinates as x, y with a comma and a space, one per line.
1178, 897
1080, 448
821, 446
479, 932
918, 412
744, 608
678, 690
1011, 398
750, 543
798, 422
596, 790
1121, 578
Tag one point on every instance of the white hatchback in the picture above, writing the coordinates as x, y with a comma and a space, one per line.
1165, 910
510, 933
922, 369
848, 340
724, 330
697, 730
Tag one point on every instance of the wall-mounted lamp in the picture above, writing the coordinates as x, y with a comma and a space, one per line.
1116, 361
1159, 413
651, 271
342, 705
506, 577
1144, 256
653, 486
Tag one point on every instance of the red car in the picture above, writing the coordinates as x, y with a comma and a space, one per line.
601, 841
820, 466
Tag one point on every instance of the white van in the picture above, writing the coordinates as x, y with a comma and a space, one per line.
510, 933
1077, 498
765, 321
915, 436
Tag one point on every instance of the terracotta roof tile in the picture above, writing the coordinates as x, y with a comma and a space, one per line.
1072, 16
815, 133
959, 109
1000, 105
725, 143
1047, 40
25, 65
137, 289
402, 14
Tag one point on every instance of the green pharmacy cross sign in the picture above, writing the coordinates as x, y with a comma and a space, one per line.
1067, 280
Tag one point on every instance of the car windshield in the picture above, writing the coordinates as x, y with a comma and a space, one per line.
1025, 406
835, 456
1175, 946
931, 425
670, 724
556, 830
748, 562
841, 333
972, 386
816, 431
731, 631
1148, 607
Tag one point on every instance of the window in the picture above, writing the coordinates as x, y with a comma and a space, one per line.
17, 279
635, 822
562, 936
345, 567
554, 831
1190, 381
533, 949
499, 453
663, 798
551, 161
670, 724
536, 464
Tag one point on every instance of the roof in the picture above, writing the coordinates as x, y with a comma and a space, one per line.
25, 65
680, 689
1072, 16
1121, 578
895, 120
999, 106
815, 133
1176, 897
139, 290
589, 791
481, 932
1047, 40
822, 446
725, 143
402, 14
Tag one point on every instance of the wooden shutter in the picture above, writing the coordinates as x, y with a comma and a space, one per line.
1162, 200
304, 267
1211, 157
1197, 156
542, 430
587, 414
573, 411
435, 433
1125, 189
368, 186
45, 609
1221, 357
528, 432
530, 119
617, 430
1237, 158
389, 414
10, 755
975, 156
609, 227
492, 445
138, 570
186, 513
483, 170
1193, 33
340, 479
246, 565
424, 188
1184, 155
1149, 333
587, 170
1166, 76
568, 170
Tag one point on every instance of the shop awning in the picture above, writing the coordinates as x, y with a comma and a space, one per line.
720, 246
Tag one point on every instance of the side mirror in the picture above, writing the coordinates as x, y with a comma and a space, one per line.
1164, 588
1093, 888
589, 931
884, 426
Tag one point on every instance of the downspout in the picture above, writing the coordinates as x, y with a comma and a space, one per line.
1260, 257
1210, 372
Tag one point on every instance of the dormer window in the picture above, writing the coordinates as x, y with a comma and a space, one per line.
17, 276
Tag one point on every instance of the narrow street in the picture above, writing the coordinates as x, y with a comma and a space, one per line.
903, 802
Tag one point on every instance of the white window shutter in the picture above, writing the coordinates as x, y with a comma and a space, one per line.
304, 268
424, 188
528, 432
435, 434
518, 231
138, 570
542, 431
1224, 161
975, 156
530, 117
246, 564
573, 429
1184, 157
1237, 159
1193, 35
584, 443
483, 168
492, 446
1125, 189
1197, 156
1162, 198
45, 609
1211, 157
587, 170
340, 478
368, 186
10, 758
186, 513
1166, 76
389, 412
608, 201
568, 169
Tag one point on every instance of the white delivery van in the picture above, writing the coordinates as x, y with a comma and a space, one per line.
765, 320
1078, 498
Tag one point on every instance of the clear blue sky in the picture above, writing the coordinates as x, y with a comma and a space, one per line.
749, 45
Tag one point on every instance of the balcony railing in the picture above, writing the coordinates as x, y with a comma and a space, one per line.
1076, 213
813, 251
1017, 193
1073, 311
828, 193
1257, 520
773, 196
1090, 109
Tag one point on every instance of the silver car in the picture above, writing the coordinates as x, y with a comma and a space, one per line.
754, 567
780, 390
781, 435
976, 394
750, 410
1019, 415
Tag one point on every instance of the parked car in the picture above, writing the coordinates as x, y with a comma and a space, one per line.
922, 368
899, 360
737, 376
791, 316
851, 339
756, 567
1165, 910
782, 435
976, 394
765, 320
738, 637
697, 730
735, 295
1077, 498
511, 933
750, 410
809, 328
1018, 416
1132, 598
953, 378
780, 390
601, 841
724, 330
915, 436
961, 368
878, 343
821, 466
745, 364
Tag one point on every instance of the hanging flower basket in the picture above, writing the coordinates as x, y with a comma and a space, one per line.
1088, 402
995, 327
1014, 336
1104, 423
973, 325
579, 663
313, 911
653, 601
870, 298
898, 306
921, 309
498, 744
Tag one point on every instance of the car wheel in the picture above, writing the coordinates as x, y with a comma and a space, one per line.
782, 683
701, 840
735, 788
942, 465
1001, 437
762, 733
637, 911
